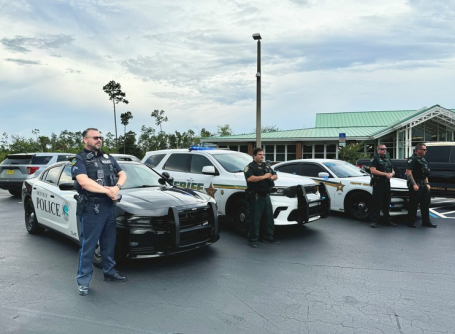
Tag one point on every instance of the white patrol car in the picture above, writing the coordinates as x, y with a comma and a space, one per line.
348, 186
219, 173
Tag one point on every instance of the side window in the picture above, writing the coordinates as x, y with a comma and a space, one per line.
311, 170
197, 162
438, 154
290, 168
62, 158
178, 162
66, 175
153, 160
53, 175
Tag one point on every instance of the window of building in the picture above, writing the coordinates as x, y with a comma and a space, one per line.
331, 151
319, 151
280, 152
291, 152
307, 151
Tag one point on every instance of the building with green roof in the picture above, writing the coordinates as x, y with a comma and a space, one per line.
400, 130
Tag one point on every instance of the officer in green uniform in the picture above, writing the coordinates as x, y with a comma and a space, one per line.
260, 177
381, 172
417, 172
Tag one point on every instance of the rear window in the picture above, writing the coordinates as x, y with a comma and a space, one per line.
17, 160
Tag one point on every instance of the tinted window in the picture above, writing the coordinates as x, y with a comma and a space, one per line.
311, 170
63, 157
197, 162
52, 175
41, 160
17, 160
66, 175
154, 160
438, 153
178, 162
233, 163
291, 168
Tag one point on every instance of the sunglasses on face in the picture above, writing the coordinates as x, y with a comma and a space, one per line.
96, 137
423, 149
382, 149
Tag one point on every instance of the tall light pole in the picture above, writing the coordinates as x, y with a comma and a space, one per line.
257, 37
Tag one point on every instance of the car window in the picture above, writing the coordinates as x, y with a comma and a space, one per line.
233, 163
438, 153
17, 160
311, 170
178, 162
52, 175
66, 175
290, 168
154, 160
197, 162
344, 169
63, 157
41, 160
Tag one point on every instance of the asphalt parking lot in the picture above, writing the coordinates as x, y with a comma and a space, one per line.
332, 276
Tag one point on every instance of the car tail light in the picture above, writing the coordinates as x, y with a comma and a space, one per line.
32, 170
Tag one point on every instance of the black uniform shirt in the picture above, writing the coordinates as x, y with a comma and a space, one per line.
382, 164
254, 169
418, 166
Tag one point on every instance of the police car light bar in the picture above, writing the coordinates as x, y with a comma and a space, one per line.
203, 147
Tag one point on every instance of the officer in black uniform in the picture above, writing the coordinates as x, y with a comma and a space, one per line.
98, 181
417, 172
381, 172
260, 177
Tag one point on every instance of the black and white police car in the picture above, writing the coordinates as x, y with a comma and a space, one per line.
154, 218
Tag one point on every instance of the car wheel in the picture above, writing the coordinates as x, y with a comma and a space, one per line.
240, 217
97, 259
31, 223
15, 193
358, 205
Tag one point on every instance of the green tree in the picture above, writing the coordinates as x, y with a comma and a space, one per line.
159, 117
125, 117
206, 133
224, 130
351, 152
114, 90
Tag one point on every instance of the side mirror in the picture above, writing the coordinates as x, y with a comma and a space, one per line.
167, 177
209, 170
323, 175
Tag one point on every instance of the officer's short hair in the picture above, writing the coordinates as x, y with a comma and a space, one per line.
257, 150
419, 146
84, 134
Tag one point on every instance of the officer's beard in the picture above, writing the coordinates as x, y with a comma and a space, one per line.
93, 148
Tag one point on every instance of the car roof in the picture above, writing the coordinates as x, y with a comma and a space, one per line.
311, 160
186, 150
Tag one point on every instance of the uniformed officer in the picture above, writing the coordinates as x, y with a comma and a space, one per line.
96, 176
260, 177
417, 172
381, 172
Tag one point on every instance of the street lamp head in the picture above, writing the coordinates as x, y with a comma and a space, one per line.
257, 36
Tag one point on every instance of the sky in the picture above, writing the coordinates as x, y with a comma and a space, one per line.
196, 60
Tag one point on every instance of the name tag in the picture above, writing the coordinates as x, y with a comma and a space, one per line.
106, 161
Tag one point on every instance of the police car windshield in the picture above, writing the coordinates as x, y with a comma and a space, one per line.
139, 176
344, 169
233, 162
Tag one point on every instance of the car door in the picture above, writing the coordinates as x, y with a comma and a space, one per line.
312, 170
200, 181
68, 223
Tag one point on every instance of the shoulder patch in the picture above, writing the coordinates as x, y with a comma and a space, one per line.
73, 162
409, 161
245, 169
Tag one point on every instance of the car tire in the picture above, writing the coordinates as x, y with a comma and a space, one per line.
97, 259
15, 193
358, 205
240, 217
31, 223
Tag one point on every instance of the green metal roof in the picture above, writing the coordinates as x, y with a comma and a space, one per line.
361, 118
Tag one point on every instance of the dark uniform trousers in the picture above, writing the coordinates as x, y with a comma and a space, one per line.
381, 200
93, 227
258, 206
422, 197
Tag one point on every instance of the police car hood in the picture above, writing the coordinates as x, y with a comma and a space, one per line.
286, 179
394, 182
158, 200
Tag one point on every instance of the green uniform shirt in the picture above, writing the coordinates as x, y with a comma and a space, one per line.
254, 169
418, 166
382, 164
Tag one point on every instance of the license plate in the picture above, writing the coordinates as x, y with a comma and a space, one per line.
10, 171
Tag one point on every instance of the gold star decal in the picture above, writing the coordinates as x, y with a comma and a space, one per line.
340, 186
211, 191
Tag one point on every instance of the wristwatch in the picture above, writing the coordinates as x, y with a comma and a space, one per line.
119, 185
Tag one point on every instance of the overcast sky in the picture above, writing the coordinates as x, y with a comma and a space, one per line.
196, 60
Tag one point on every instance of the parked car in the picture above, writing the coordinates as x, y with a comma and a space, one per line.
125, 157
349, 187
154, 218
16, 168
219, 173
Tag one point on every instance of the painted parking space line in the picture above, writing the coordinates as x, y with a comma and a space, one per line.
436, 214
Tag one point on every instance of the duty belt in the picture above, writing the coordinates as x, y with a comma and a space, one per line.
100, 199
420, 182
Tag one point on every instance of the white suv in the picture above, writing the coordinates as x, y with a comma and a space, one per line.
219, 173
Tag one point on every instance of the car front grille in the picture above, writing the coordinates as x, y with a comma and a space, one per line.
193, 217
